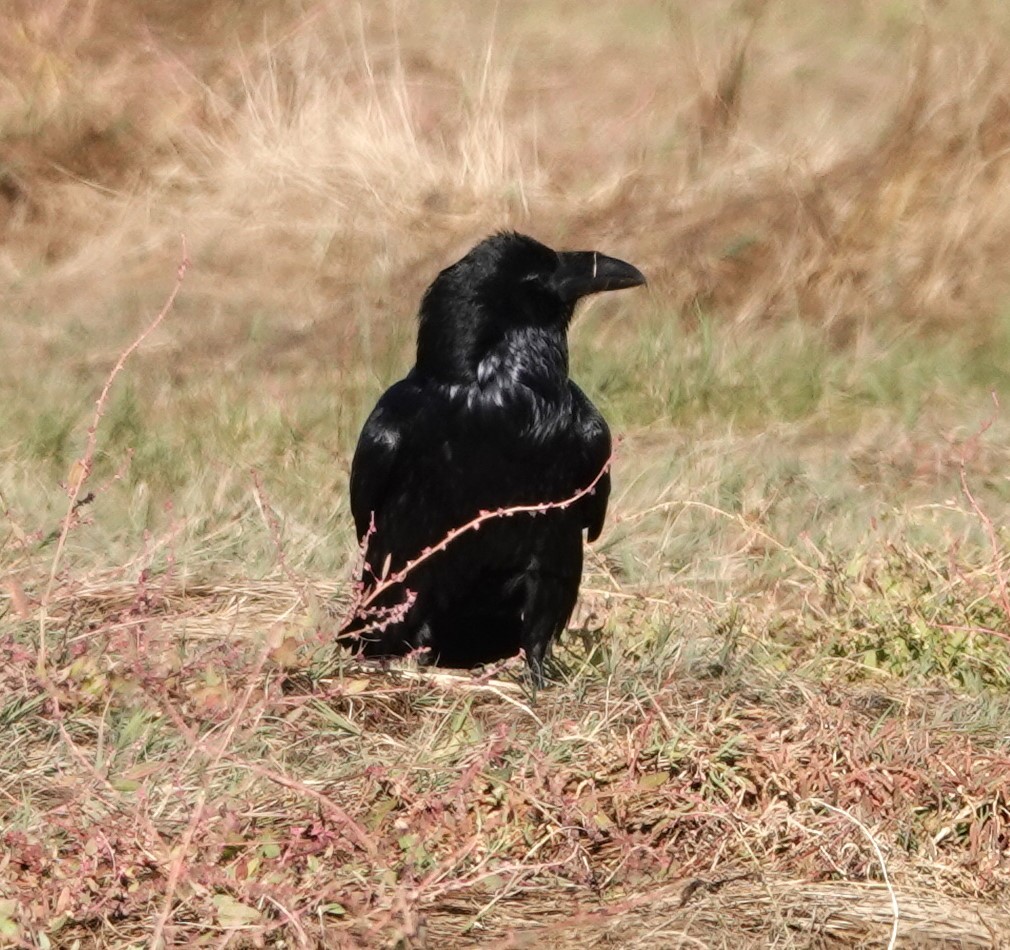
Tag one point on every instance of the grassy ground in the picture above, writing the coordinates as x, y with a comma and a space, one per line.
782, 720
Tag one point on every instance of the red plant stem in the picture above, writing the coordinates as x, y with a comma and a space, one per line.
84, 465
392, 580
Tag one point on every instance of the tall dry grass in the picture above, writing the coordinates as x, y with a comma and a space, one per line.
757, 165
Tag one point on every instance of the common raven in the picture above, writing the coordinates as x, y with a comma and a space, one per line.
486, 419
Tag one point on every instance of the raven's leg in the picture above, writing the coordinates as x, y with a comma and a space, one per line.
424, 640
550, 600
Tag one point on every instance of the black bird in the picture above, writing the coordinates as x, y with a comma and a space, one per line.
486, 419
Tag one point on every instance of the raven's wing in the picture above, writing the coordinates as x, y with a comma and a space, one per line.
594, 443
380, 448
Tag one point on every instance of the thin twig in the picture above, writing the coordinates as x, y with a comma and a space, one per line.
82, 468
896, 914
199, 808
362, 601
273, 526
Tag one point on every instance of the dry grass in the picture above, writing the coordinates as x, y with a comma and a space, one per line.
370, 807
789, 668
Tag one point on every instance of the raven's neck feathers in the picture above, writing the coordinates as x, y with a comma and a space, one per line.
466, 344
534, 357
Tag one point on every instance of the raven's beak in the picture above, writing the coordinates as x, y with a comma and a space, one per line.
588, 272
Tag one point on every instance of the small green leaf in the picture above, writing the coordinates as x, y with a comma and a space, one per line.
602, 821
653, 780
233, 913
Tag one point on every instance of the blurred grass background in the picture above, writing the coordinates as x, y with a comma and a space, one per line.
817, 195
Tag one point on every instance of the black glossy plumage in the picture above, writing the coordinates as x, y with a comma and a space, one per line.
486, 419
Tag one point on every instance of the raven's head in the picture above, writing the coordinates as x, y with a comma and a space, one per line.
507, 288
